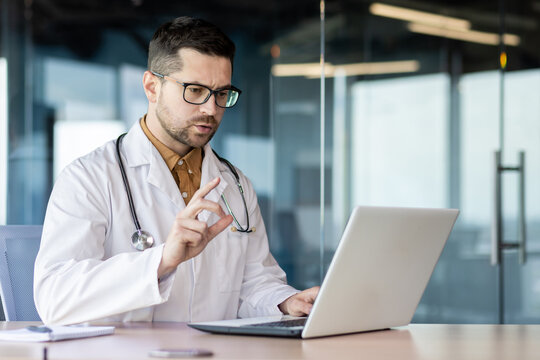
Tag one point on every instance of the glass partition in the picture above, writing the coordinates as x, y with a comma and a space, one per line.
76, 82
423, 94
3, 140
414, 101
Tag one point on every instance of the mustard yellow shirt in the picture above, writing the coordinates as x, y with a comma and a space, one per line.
186, 170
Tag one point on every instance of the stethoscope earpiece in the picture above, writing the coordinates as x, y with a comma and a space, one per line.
235, 229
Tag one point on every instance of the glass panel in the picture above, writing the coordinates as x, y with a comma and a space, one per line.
414, 125
479, 140
83, 96
77, 70
394, 121
296, 132
3, 140
522, 111
412, 118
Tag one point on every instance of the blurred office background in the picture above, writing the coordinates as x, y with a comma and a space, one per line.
415, 98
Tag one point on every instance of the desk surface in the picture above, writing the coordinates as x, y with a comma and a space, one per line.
135, 340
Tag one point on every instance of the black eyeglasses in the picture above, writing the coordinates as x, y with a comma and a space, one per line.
198, 94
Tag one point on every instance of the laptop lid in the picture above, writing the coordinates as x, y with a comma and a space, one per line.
376, 278
380, 269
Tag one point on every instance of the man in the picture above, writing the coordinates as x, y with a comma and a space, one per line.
201, 267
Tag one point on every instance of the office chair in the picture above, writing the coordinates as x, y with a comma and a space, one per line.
19, 245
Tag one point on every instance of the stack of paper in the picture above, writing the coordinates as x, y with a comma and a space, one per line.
54, 333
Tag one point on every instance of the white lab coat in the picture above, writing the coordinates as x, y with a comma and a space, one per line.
86, 268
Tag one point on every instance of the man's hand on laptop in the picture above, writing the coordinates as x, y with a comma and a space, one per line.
299, 304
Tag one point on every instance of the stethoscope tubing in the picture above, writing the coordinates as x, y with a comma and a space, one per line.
126, 185
239, 227
141, 240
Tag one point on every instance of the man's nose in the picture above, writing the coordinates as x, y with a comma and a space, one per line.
209, 107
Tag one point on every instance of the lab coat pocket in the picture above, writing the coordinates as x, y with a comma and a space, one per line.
231, 260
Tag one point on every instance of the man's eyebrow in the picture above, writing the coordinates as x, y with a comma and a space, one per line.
228, 86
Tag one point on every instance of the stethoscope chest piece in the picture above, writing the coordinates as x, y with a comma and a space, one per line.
141, 240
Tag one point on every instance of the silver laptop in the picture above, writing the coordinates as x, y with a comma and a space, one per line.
375, 281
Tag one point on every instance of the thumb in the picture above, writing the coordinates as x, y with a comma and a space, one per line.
219, 226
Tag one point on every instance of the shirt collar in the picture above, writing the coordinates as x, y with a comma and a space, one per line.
193, 158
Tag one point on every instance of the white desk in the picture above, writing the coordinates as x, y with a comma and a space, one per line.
433, 342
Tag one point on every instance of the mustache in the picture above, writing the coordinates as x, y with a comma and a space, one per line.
210, 120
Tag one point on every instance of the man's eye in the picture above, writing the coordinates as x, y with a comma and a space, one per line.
223, 94
195, 89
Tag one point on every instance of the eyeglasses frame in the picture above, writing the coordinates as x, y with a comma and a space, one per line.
212, 92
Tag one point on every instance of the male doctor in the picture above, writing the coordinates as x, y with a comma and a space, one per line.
200, 267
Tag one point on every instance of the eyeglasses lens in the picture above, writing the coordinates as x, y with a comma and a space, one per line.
196, 94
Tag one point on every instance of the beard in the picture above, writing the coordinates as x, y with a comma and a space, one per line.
186, 133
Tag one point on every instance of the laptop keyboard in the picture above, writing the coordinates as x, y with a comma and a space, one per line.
282, 324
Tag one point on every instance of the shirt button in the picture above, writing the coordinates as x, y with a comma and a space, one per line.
181, 162
184, 194
189, 171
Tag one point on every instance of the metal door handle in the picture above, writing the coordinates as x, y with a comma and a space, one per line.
522, 231
496, 224
497, 242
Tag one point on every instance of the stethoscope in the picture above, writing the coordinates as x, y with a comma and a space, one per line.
142, 240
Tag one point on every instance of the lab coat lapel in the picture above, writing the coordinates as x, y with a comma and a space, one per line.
139, 151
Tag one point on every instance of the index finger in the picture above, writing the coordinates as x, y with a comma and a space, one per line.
203, 191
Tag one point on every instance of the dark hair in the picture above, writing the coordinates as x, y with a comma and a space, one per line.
186, 32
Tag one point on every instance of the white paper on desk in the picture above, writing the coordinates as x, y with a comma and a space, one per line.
57, 333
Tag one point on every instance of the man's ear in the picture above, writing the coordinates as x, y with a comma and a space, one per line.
151, 86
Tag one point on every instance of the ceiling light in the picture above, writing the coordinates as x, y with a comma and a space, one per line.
423, 17
313, 70
468, 35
